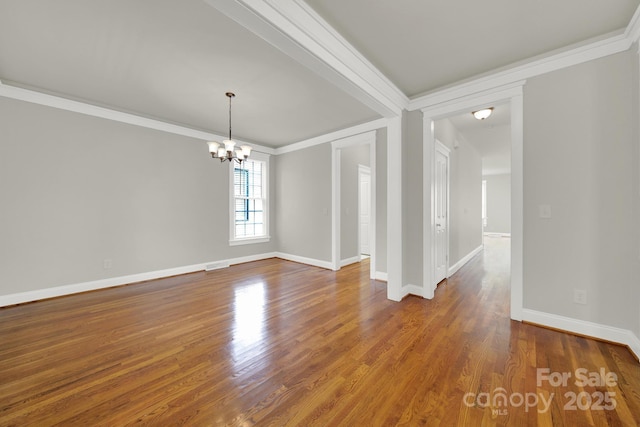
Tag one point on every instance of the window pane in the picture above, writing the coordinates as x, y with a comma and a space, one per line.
249, 216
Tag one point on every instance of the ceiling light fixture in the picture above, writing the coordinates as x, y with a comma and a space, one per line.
228, 151
482, 114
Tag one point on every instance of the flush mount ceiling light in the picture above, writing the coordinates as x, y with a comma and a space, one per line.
227, 151
482, 114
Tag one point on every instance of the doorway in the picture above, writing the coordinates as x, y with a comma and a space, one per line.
364, 211
441, 198
513, 95
367, 139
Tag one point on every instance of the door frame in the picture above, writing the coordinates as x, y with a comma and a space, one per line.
439, 146
513, 94
336, 151
364, 170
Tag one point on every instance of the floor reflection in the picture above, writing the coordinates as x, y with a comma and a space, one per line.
249, 307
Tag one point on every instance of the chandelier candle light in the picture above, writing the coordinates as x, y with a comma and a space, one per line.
228, 151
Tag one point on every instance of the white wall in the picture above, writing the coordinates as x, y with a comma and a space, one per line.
465, 192
381, 200
77, 190
412, 178
303, 206
581, 158
303, 182
350, 158
498, 203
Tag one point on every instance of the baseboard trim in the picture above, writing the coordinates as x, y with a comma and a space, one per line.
458, 265
492, 234
416, 290
305, 260
381, 276
251, 258
584, 328
349, 261
58, 291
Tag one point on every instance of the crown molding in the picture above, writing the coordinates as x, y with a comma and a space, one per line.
333, 136
58, 102
632, 31
297, 30
477, 100
575, 56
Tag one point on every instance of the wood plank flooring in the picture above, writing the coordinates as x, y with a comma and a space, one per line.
276, 343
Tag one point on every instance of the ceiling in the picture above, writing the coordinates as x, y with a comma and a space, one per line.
174, 60
424, 45
491, 137
171, 60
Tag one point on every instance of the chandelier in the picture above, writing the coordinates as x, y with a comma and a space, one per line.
227, 150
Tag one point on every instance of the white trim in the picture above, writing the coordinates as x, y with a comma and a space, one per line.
551, 62
513, 93
251, 258
349, 261
428, 205
410, 289
249, 241
373, 200
39, 294
444, 150
304, 260
632, 32
333, 136
496, 234
346, 55
298, 31
465, 259
353, 140
583, 327
335, 207
517, 205
368, 138
233, 240
58, 102
366, 170
381, 276
484, 98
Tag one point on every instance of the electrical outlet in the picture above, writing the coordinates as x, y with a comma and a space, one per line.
580, 296
107, 264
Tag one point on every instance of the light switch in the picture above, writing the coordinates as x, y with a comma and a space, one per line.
545, 211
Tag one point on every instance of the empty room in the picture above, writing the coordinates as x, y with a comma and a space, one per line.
319, 212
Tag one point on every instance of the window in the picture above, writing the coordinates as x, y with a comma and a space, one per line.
249, 203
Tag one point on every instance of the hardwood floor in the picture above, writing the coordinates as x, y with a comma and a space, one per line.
278, 343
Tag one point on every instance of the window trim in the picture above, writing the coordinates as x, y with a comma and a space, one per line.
233, 240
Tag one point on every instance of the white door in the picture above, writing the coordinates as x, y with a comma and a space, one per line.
441, 213
364, 208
